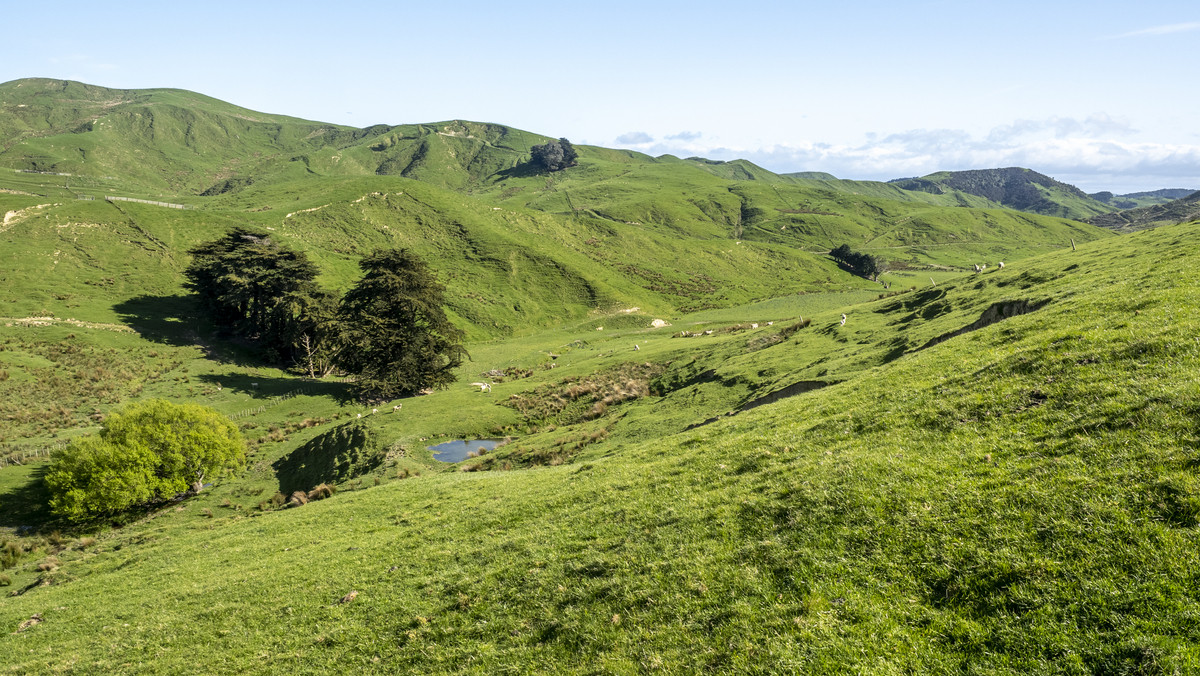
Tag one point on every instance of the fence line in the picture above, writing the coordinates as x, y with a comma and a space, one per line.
17, 456
47, 173
277, 399
113, 198
22, 456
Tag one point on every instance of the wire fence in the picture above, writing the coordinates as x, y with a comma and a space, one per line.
113, 198
271, 401
24, 455
21, 455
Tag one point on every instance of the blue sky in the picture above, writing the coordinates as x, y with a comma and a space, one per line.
1099, 94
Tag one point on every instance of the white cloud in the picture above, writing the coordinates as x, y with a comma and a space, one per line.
684, 136
1055, 146
1095, 126
635, 138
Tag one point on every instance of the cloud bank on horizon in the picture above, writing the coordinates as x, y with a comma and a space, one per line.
1088, 153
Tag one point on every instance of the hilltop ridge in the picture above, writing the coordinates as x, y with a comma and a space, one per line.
1015, 188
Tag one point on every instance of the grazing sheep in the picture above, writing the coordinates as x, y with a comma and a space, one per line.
843, 319
978, 269
374, 411
396, 407
1000, 265
483, 387
636, 348
360, 415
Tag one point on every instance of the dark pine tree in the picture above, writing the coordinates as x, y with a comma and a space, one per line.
397, 339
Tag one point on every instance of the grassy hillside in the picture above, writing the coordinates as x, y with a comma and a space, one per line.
1147, 198
972, 473
1014, 188
1019, 498
1129, 220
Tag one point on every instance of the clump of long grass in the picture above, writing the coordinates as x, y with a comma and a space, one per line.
320, 492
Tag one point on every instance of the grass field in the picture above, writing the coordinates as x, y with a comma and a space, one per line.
1016, 499
975, 473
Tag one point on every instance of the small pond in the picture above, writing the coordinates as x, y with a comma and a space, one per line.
459, 449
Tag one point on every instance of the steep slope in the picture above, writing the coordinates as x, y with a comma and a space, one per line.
149, 140
1014, 188
179, 147
1177, 211
1013, 494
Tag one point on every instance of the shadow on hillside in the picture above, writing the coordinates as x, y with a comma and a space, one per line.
269, 391
175, 320
523, 170
163, 319
26, 506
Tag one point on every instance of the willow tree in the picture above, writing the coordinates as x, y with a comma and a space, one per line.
396, 337
146, 453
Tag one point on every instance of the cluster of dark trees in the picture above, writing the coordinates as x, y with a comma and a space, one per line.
859, 263
389, 331
553, 155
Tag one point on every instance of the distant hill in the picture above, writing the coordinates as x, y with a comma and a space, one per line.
1014, 188
521, 248
1134, 200
811, 175
1177, 211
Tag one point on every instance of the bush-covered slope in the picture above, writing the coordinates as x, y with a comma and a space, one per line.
1016, 498
1146, 198
1177, 211
1014, 188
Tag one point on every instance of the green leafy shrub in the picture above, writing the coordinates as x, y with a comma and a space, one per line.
147, 452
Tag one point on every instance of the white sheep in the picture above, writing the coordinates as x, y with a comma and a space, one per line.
843, 319
396, 407
374, 411
1000, 265
978, 269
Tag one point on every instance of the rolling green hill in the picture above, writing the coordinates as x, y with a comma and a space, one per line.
994, 473
972, 473
1176, 211
1014, 188
1147, 198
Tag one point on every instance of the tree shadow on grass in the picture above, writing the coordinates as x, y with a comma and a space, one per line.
26, 507
176, 320
164, 319
270, 391
523, 170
